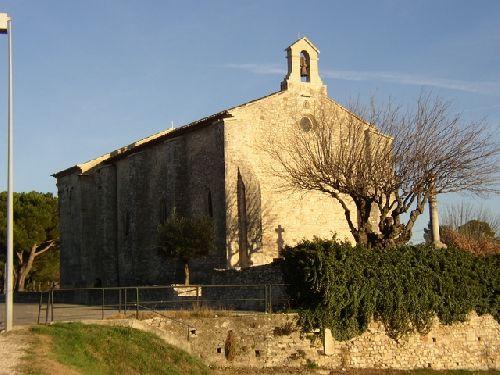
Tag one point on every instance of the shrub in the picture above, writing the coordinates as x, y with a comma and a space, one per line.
340, 286
311, 364
284, 330
186, 238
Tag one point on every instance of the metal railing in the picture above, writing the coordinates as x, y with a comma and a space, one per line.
99, 303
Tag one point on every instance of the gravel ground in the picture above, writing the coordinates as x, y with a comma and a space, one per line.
12, 349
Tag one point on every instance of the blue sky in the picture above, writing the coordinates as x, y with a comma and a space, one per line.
91, 76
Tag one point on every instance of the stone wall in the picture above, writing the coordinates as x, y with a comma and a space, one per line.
265, 274
110, 213
474, 344
268, 340
258, 288
275, 215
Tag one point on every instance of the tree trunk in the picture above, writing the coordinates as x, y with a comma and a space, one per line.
25, 268
186, 273
22, 280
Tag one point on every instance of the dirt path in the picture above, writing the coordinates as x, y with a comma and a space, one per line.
13, 346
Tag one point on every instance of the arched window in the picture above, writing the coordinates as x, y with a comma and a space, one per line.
305, 67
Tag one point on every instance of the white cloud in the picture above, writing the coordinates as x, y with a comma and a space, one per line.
479, 87
489, 88
258, 68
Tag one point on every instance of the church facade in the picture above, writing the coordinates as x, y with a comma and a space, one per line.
218, 166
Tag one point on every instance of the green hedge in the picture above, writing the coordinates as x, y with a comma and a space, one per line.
338, 286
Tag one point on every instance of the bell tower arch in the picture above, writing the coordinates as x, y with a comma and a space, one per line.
303, 73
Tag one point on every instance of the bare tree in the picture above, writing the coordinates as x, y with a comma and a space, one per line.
388, 165
457, 215
471, 228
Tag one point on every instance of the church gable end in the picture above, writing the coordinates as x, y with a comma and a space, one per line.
110, 207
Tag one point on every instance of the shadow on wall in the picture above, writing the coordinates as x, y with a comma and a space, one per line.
247, 216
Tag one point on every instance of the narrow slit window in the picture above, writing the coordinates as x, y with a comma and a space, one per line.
126, 223
163, 211
210, 205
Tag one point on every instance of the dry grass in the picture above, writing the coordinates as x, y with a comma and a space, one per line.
195, 312
198, 312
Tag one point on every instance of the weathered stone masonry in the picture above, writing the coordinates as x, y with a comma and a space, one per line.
267, 341
111, 212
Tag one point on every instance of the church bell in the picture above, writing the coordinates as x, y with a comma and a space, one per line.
303, 67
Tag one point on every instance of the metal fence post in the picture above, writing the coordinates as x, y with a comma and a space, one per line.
197, 297
47, 308
137, 303
125, 304
265, 298
102, 305
52, 303
270, 296
40, 307
119, 301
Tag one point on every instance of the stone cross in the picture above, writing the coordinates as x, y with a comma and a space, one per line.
280, 241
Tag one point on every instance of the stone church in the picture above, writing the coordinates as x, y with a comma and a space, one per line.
110, 207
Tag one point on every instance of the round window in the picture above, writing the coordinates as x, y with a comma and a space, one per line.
306, 124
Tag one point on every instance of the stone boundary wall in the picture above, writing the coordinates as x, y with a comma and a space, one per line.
265, 274
274, 340
473, 344
269, 277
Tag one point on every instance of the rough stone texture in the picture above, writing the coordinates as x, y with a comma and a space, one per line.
473, 344
110, 207
257, 288
300, 214
110, 213
266, 341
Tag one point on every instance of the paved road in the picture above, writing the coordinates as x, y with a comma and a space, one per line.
27, 313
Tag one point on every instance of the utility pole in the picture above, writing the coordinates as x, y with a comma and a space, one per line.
6, 28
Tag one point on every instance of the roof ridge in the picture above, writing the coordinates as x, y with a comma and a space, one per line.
372, 126
306, 39
88, 165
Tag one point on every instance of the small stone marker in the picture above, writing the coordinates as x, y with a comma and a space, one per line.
328, 342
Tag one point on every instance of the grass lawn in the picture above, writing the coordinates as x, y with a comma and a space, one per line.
93, 350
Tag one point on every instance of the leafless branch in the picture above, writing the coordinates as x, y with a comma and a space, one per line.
388, 161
